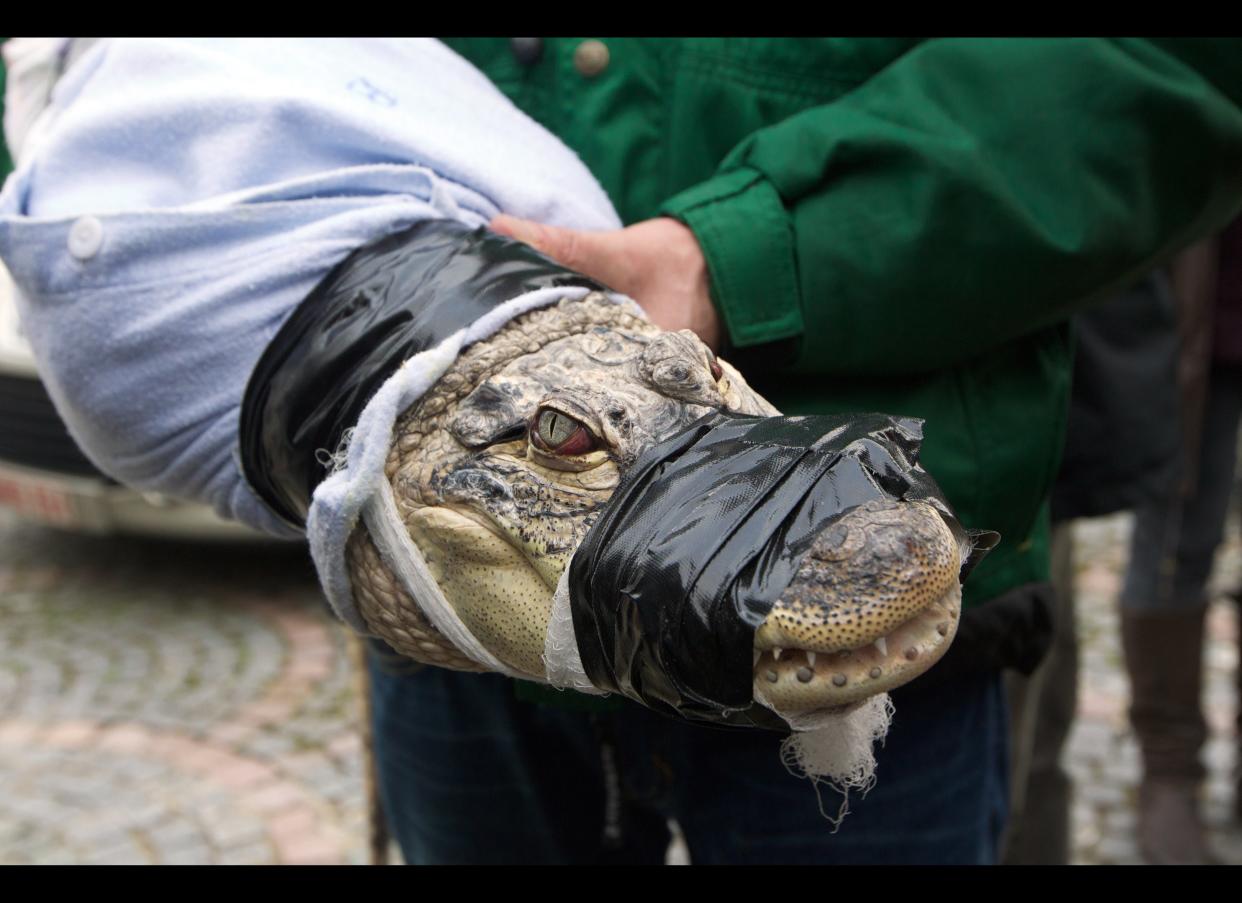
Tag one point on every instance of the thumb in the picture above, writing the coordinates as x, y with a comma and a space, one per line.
568, 247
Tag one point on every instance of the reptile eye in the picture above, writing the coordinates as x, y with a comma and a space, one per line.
561, 435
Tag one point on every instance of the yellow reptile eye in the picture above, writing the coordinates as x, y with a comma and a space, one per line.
561, 435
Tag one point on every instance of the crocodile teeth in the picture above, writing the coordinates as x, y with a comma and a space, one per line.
882, 645
776, 653
810, 659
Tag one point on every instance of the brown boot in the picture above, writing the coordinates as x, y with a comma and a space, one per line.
1164, 658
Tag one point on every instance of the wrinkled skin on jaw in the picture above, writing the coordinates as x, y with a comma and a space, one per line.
501, 469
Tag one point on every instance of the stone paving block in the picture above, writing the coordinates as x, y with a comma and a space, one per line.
1219, 783
40, 809
127, 853
347, 745
236, 831
1100, 794
206, 759
190, 854
70, 733
311, 851
1219, 754
174, 830
135, 663
309, 765
1220, 721
1099, 706
273, 711
305, 669
100, 829
242, 773
1120, 821
299, 837
19, 733
52, 857
124, 738
255, 853
1119, 849
1092, 738
229, 733
271, 745
1086, 836
1125, 772
141, 769
279, 796
340, 788
1098, 580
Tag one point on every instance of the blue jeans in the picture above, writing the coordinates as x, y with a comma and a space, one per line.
471, 774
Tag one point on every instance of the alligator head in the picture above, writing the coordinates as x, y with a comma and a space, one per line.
502, 467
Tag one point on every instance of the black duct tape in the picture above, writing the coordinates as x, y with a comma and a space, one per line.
703, 535
383, 304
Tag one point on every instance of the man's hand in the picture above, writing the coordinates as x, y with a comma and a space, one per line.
657, 262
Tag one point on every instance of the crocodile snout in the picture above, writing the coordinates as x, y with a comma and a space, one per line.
874, 603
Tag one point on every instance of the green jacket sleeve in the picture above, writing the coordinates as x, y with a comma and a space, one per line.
6, 164
968, 193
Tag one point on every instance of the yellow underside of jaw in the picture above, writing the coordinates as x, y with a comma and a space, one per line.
499, 596
875, 604
796, 681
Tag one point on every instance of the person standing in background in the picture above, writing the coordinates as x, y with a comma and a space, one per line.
1123, 449
1164, 598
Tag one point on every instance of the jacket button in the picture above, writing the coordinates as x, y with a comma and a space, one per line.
527, 50
591, 58
85, 238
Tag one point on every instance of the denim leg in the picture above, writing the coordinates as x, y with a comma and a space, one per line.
467, 776
940, 797
469, 773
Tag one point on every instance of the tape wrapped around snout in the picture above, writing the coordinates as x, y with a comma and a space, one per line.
704, 534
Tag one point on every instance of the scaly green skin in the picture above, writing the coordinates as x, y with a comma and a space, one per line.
497, 517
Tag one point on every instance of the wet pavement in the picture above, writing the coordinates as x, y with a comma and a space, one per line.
169, 702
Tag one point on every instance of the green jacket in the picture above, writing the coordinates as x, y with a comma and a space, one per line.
904, 225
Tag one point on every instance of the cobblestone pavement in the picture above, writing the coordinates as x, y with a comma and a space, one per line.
172, 703
175, 703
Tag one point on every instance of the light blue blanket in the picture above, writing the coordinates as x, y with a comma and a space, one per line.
185, 195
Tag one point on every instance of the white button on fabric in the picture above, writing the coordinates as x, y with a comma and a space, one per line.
591, 58
85, 238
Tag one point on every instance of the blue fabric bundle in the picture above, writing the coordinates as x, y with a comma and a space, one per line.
184, 196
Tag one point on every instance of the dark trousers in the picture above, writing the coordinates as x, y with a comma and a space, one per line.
471, 774
1175, 539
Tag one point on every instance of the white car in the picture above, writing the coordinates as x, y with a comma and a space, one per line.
44, 477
